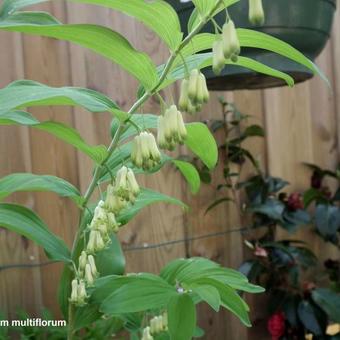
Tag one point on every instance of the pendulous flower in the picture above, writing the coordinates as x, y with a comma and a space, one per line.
146, 334
126, 186
256, 12
230, 41
171, 129
78, 292
218, 56
194, 92
145, 153
95, 243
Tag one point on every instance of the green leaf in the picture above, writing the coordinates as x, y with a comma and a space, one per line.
256, 39
254, 131
59, 130
25, 222
204, 60
140, 294
111, 261
158, 15
190, 173
144, 199
329, 301
181, 317
99, 39
229, 299
188, 271
205, 7
27, 93
202, 143
10, 6
85, 316
208, 294
253, 39
30, 182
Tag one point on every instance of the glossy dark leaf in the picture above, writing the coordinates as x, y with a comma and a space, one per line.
327, 220
308, 317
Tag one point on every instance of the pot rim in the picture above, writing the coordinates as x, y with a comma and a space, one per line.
185, 5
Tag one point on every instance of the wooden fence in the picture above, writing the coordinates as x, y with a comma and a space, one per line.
301, 125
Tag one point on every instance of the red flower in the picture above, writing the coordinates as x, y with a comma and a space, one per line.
276, 325
294, 201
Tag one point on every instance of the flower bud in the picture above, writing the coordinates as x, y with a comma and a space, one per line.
92, 264
193, 85
82, 260
231, 44
159, 323
218, 57
113, 203
145, 153
112, 224
103, 230
88, 275
146, 334
198, 90
99, 216
132, 182
171, 129
182, 131
126, 186
203, 88
95, 242
256, 12
91, 244
100, 245
136, 155
78, 293
121, 183
153, 326
81, 291
184, 96
154, 152
74, 292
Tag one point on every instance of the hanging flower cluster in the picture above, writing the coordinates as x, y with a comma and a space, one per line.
194, 92
157, 325
171, 129
226, 46
145, 153
122, 192
256, 12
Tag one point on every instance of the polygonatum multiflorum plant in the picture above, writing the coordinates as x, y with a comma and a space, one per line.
91, 288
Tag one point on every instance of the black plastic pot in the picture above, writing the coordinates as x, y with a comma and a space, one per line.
305, 24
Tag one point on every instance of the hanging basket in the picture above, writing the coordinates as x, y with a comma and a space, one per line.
304, 24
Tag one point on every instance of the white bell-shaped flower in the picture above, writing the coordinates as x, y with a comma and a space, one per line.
218, 56
256, 12
231, 43
171, 129
145, 153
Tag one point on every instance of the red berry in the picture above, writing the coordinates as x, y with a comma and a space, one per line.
276, 325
